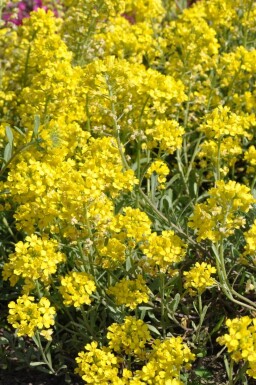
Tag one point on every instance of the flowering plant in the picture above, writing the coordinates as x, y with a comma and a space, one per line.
127, 189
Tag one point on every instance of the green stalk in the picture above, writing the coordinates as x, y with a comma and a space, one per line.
116, 128
247, 29
191, 163
230, 369
180, 167
139, 140
37, 339
164, 219
162, 294
218, 250
241, 374
217, 177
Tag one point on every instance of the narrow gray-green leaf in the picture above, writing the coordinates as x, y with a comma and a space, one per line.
9, 135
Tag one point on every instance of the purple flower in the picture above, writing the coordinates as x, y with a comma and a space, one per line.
23, 9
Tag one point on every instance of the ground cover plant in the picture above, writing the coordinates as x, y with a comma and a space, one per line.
128, 217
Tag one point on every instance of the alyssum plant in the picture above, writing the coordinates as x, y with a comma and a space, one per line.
128, 225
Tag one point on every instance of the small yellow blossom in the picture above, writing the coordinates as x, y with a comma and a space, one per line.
129, 337
34, 260
198, 278
164, 250
76, 289
28, 316
161, 169
98, 366
221, 214
241, 341
130, 292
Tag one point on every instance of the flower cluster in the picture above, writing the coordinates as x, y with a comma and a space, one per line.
164, 251
241, 341
34, 260
164, 134
127, 137
218, 217
134, 225
129, 337
225, 132
76, 288
130, 292
161, 169
98, 366
165, 361
112, 254
198, 278
28, 316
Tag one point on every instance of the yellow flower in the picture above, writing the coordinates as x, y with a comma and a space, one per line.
220, 215
34, 260
76, 289
241, 341
166, 361
133, 225
28, 316
98, 366
198, 278
130, 292
129, 337
165, 250
112, 254
161, 169
167, 134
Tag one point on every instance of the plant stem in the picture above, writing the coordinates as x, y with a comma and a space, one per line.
37, 340
162, 294
218, 250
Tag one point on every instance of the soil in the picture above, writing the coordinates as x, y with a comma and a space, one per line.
28, 377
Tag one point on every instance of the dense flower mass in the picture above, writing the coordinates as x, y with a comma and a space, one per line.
165, 362
164, 250
128, 188
34, 260
219, 217
133, 225
241, 341
28, 316
76, 288
198, 278
98, 366
130, 292
129, 337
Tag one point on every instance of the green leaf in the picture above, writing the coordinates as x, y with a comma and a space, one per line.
19, 130
175, 303
202, 372
7, 153
48, 356
218, 325
36, 125
145, 307
172, 180
37, 363
9, 135
3, 341
128, 264
154, 329
166, 203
